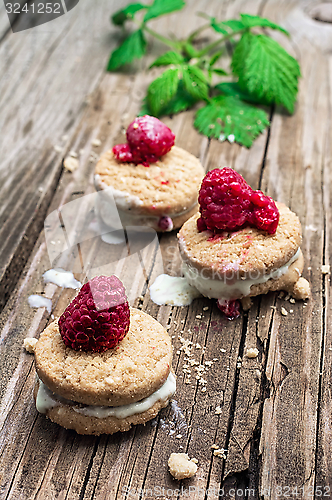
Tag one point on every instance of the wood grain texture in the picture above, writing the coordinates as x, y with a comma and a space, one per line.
296, 161
275, 411
47, 77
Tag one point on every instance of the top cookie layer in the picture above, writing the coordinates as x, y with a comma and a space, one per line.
241, 251
136, 368
167, 187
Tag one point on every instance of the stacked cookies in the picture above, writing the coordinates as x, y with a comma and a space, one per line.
153, 184
241, 244
94, 390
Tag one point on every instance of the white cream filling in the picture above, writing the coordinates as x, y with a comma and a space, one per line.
126, 205
62, 278
234, 288
46, 399
172, 291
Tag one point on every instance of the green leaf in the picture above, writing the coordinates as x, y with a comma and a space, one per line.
226, 117
253, 21
266, 70
181, 101
195, 82
145, 108
216, 56
161, 7
121, 16
162, 89
168, 58
132, 48
233, 89
219, 71
227, 27
190, 50
241, 52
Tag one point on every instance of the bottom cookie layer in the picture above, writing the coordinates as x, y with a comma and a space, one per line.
65, 414
105, 212
281, 279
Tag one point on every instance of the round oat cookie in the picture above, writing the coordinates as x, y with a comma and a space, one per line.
134, 369
244, 256
68, 415
166, 188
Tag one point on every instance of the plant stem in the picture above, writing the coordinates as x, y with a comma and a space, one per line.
215, 44
194, 34
166, 41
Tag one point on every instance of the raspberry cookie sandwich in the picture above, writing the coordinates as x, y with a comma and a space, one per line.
152, 182
103, 367
241, 244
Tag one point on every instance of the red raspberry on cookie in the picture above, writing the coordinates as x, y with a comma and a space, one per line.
148, 140
227, 202
98, 318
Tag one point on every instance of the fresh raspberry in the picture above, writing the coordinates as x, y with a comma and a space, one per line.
230, 308
227, 202
122, 153
148, 139
165, 224
98, 318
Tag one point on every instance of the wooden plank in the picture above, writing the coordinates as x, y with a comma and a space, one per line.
47, 75
293, 172
41, 460
5, 28
97, 460
323, 452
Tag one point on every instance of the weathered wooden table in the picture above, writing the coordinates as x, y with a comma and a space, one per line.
275, 411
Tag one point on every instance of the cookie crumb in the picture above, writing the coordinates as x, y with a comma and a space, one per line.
199, 316
218, 410
70, 164
246, 303
205, 308
326, 269
252, 352
181, 467
220, 453
73, 154
96, 143
29, 344
283, 311
301, 289
58, 149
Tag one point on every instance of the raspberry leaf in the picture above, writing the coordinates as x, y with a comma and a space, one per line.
161, 7
253, 21
168, 58
227, 27
195, 82
233, 89
123, 15
181, 101
218, 71
162, 89
226, 117
266, 70
132, 48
